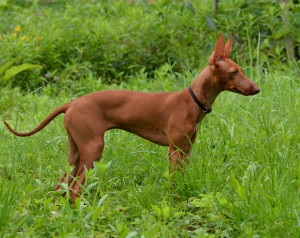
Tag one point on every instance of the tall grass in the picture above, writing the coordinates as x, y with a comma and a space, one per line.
243, 177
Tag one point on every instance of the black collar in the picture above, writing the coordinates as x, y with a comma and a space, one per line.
202, 107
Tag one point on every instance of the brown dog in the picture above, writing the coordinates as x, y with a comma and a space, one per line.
168, 119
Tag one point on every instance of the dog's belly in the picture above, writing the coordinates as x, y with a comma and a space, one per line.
157, 137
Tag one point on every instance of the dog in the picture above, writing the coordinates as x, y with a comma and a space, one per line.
165, 118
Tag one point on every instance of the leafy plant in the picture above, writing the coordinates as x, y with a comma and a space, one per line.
10, 72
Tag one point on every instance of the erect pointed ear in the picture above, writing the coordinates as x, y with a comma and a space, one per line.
228, 47
218, 53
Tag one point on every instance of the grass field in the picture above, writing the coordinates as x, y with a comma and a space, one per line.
243, 179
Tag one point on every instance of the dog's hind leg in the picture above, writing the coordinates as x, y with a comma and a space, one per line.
73, 159
89, 153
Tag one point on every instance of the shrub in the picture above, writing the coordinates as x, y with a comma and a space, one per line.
114, 40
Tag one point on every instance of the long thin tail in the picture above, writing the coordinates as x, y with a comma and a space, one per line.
47, 120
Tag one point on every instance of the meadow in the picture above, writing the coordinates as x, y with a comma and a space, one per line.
243, 179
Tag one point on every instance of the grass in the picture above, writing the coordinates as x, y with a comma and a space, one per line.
243, 179
244, 171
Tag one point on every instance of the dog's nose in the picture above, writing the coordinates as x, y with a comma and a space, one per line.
256, 90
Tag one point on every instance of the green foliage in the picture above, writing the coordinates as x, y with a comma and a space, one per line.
11, 72
92, 37
114, 40
4, 67
261, 23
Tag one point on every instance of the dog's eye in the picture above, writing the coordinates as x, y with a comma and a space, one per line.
234, 73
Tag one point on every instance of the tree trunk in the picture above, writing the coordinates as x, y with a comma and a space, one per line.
215, 6
288, 40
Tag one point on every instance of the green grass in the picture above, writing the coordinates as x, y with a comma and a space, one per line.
242, 181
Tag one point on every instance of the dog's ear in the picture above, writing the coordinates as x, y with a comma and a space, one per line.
218, 53
228, 47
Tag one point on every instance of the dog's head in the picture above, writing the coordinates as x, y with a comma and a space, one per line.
227, 74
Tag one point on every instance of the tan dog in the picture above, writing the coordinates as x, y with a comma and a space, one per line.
168, 119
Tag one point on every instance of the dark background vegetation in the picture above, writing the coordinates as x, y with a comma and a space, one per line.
115, 40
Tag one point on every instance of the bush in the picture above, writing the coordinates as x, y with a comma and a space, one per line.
114, 40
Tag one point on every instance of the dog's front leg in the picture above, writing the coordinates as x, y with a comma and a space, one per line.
178, 156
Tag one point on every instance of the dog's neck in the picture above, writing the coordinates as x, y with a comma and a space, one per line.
204, 88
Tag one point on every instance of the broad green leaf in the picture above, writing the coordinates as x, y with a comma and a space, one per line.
157, 210
211, 24
166, 212
6, 66
102, 200
281, 33
249, 175
239, 189
204, 202
17, 69
224, 201
190, 6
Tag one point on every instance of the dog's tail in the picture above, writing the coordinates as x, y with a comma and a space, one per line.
47, 120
